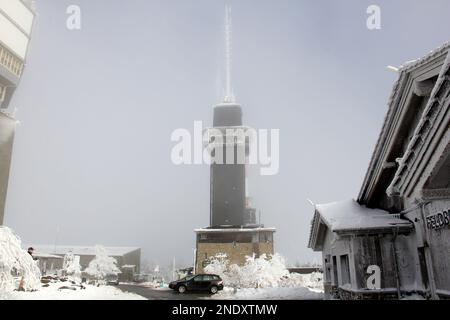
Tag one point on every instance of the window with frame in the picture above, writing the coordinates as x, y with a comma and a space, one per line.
345, 269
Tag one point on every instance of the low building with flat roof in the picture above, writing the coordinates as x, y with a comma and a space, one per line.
128, 258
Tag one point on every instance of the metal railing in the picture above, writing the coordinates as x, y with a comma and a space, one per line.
10, 61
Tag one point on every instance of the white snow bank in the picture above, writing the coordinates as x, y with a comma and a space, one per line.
413, 297
300, 293
153, 285
90, 293
312, 281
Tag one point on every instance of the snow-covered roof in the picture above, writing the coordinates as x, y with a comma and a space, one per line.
40, 255
81, 250
430, 117
350, 217
393, 103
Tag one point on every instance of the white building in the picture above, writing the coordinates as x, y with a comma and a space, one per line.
128, 258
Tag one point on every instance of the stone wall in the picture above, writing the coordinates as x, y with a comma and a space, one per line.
236, 253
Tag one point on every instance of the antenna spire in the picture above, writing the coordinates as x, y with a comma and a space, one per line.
229, 96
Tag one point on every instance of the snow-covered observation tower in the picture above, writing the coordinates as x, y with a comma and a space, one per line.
233, 228
16, 23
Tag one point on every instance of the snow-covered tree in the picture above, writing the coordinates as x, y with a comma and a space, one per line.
262, 272
220, 265
16, 264
71, 266
102, 265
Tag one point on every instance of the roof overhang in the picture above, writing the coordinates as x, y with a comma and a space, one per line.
234, 230
433, 125
350, 218
411, 82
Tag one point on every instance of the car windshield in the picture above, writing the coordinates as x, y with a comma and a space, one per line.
187, 278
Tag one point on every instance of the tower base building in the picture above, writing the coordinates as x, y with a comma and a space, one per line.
235, 243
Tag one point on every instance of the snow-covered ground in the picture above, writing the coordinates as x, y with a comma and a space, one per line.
150, 284
300, 293
297, 287
91, 292
264, 277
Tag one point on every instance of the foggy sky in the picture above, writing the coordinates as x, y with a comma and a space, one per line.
97, 108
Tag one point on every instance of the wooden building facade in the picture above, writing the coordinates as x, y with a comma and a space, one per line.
408, 179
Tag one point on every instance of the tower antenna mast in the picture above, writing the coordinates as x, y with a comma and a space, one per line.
229, 96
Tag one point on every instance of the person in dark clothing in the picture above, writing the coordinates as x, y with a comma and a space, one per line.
30, 251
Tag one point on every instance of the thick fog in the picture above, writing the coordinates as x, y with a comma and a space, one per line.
97, 107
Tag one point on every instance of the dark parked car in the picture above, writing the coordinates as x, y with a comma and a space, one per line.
201, 282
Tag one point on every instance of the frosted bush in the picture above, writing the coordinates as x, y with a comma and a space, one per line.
262, 272
219, 265
312, 281
16, 264
102, 265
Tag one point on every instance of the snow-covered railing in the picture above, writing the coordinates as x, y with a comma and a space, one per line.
10, 61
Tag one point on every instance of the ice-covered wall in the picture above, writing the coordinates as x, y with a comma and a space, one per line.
346, 260
439, 242
7, 127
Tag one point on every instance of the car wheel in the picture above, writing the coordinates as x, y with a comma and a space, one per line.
213, 289
181, 289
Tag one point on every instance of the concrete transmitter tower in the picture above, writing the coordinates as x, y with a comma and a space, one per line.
228, 177
233, 229
16, 24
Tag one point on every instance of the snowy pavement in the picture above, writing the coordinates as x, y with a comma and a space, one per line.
90, 293
299, 293
162, 293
